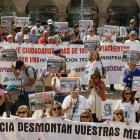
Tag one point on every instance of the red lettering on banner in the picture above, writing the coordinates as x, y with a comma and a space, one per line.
18, 49
34, 59
24, 59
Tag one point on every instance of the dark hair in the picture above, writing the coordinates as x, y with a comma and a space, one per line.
75, 26
97, 74
132, 99
38, 20
1, 86
14, 30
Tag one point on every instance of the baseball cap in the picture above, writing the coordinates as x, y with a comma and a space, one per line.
56, 50
19, 64
10, 86
50, 21
26, 37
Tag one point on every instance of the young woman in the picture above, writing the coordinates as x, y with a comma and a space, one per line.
86, 116
23, 112
2, 99
96, 91
129, 105
63, 70
77, 86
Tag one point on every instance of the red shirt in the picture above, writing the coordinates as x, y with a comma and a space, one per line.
42, 41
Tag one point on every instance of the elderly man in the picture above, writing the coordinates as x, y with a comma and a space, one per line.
131, 28
132, 36
33, 32
44, 39
73, 105
74, 40
51, 28
19, 36
50, 40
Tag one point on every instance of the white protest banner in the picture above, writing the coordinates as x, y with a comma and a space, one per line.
22, 21
122, 31
107, 109
36, 56
101, 32
85, 24
89, 68
58, 129
8, 21
61, 26
39, 101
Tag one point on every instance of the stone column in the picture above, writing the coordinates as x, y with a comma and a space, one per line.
61, 17
102, 19
139, 19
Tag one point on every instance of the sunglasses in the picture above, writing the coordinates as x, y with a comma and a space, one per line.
85, 117
25, 28
133, 35
90, 31
131, 23
23, 112
94, 78
58, 108
71, 36
118, 114
127, 93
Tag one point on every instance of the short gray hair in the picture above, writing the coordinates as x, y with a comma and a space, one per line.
133, 32
9, 36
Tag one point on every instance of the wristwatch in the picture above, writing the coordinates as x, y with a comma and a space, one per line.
68, 107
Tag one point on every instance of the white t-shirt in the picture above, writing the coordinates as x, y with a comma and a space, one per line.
95, 37
131, 41
129, 110
82, 105
98, 66
57, 85
38, 30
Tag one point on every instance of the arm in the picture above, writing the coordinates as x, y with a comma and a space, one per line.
89, 88
17, 40
126, 75
2, 99
8, 99
29, 84
79, 32
66, 109
101, 90
14, 71
139, 108
105, 72
42, 81
59, 39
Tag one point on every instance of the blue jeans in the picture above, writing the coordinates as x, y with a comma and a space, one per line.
29, 92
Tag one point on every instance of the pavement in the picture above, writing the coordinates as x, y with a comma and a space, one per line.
110, 95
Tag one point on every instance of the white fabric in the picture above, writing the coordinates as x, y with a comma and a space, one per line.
82, 105
57, 85
131, 41
129, 111
38, 30
95, 37
95, 104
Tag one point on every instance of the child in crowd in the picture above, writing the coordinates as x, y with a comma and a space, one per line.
8, 102
23, 112
2, 99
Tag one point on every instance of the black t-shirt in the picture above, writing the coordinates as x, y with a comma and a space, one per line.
77, 42
76, 33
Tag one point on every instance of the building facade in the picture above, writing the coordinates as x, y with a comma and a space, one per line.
102, 12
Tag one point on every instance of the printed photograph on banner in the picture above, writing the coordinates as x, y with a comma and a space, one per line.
22, 21
107, 109
136, 83
92, 45
8, 21
61, 26
101, 33
8, 54
40, 101
131, 56
56, 64
89, 69
85, 24
122, 31
70, 84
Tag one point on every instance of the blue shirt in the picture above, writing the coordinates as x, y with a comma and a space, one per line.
135, 72
32, 38
128, 30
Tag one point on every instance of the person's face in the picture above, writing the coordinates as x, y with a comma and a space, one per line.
11, 91
59, 75
3, 29
78, 83
72, 36
46, 34
77, 28
66, 33
56, 111
50, 40
38, 24
10, 40
133, 36
51, 25
95, 79
94, 56
22, 113
118, 116
33, 31
85, 117
132, 23
27, 40
91, 32
58, 33
75, 94
21, 68
13, 33
25, 30
127, 94
132, 66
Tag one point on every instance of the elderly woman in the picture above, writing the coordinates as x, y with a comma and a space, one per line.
132, 38
86, 116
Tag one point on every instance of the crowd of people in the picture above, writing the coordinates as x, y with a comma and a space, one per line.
74, 107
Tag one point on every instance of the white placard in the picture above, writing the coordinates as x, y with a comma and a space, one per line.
122, 31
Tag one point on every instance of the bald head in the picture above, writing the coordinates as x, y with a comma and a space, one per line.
132, 23
50, 40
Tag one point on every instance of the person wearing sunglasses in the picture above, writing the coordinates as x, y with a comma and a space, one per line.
96, 91
129, 105
23, 112
132, 37
86, 116
132, 27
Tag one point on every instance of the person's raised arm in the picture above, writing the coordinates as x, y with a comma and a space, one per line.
65, 110
54, 85
14, 71
17, 40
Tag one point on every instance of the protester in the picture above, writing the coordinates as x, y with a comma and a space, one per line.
13, 33
10, 39
28, 76
50, 40
33, 32
83, 34
77, 31
51, 28
118, 115
8, 102
131, 28
96, 90
74, 40
2, 99
65, 37
91, 35
57, 52
38, 28
57, 38
20, 36
86, 116
132, 37
3, 34
26, 39
44, 39
129, 105
23, 112
73, 105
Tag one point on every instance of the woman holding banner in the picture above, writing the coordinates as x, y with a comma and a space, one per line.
86, 116
129, 105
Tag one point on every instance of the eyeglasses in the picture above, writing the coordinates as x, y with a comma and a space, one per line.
85, 117
127, 93
133, 35
58, 108
131, 23
118, 114
23, 112
71, 36
90, 31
